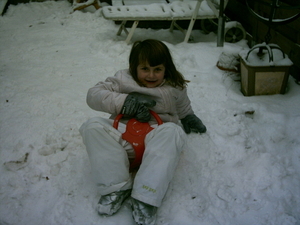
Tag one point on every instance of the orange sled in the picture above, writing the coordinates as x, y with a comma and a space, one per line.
135, 134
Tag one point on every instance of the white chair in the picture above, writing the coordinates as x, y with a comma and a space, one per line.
175, 11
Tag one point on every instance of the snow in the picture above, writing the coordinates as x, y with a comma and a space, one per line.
244, 170
2, 5
76, 5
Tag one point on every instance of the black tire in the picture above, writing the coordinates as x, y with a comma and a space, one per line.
235, 34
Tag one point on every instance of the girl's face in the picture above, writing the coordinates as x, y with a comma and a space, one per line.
150, 76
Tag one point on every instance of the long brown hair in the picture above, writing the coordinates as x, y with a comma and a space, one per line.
155, 53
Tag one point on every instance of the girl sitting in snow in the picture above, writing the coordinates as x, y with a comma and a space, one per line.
152, 82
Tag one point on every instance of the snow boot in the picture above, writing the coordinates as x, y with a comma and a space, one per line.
143, 213
111, 203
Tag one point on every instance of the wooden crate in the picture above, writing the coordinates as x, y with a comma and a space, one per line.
263, 80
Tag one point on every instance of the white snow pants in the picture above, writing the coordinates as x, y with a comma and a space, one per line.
108, 154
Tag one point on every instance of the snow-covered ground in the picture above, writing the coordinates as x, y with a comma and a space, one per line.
244, 170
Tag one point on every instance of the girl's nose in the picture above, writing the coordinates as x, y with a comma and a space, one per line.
151, 74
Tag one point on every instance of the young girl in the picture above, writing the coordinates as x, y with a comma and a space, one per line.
152, 82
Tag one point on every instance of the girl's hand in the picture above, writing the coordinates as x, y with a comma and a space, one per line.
137, 105
193, 123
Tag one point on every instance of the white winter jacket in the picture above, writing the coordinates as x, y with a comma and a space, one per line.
172, 103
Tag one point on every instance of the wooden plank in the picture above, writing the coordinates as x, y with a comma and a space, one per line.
142, 2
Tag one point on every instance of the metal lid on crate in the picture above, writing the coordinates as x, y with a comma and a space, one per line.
265, 55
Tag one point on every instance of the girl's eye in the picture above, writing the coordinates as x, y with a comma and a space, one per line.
145, 68
158, 69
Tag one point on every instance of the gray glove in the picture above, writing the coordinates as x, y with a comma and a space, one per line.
137, 105
193, 123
